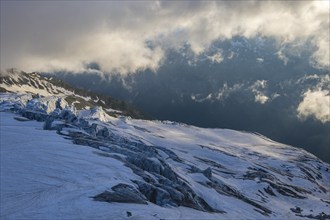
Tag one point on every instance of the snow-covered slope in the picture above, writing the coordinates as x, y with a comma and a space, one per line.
75, 164
14, 80
17, 81
44, 176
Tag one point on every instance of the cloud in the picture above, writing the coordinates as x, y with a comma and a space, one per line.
316, 104
216, 58
282, 57
261, 98
221, 95
258, 90
197, 99
226, 91
316, 101
127, 36
260, 60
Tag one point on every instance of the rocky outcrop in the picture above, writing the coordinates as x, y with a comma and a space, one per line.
122, 193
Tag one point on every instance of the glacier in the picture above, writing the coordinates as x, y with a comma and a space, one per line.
61, 162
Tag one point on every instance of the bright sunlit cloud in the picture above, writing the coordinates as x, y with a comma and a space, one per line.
315, 104
316, 101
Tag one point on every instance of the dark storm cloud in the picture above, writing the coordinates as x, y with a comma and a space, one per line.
66, 35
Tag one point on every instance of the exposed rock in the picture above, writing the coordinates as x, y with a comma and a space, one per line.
194, 169
269, 191
48, 123
176, 195
122, 193
21, 119
169, 174
154, 194
151, 165
68, 115
296, 210
321, 216
33, 115
208, 172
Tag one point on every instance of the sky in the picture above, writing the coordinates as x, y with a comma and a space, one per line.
127, 36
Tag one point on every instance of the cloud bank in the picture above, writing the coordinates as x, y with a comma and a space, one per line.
128, 36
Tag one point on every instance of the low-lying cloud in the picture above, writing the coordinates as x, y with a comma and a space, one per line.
124, 37
316, 101
258, 90
316, 104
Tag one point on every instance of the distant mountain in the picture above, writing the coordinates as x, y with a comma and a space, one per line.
13, 80
86, 161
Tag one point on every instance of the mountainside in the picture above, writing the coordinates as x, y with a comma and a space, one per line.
83, 159
17, 81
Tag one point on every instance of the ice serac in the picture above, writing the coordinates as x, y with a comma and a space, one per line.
149, 169
96, 113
